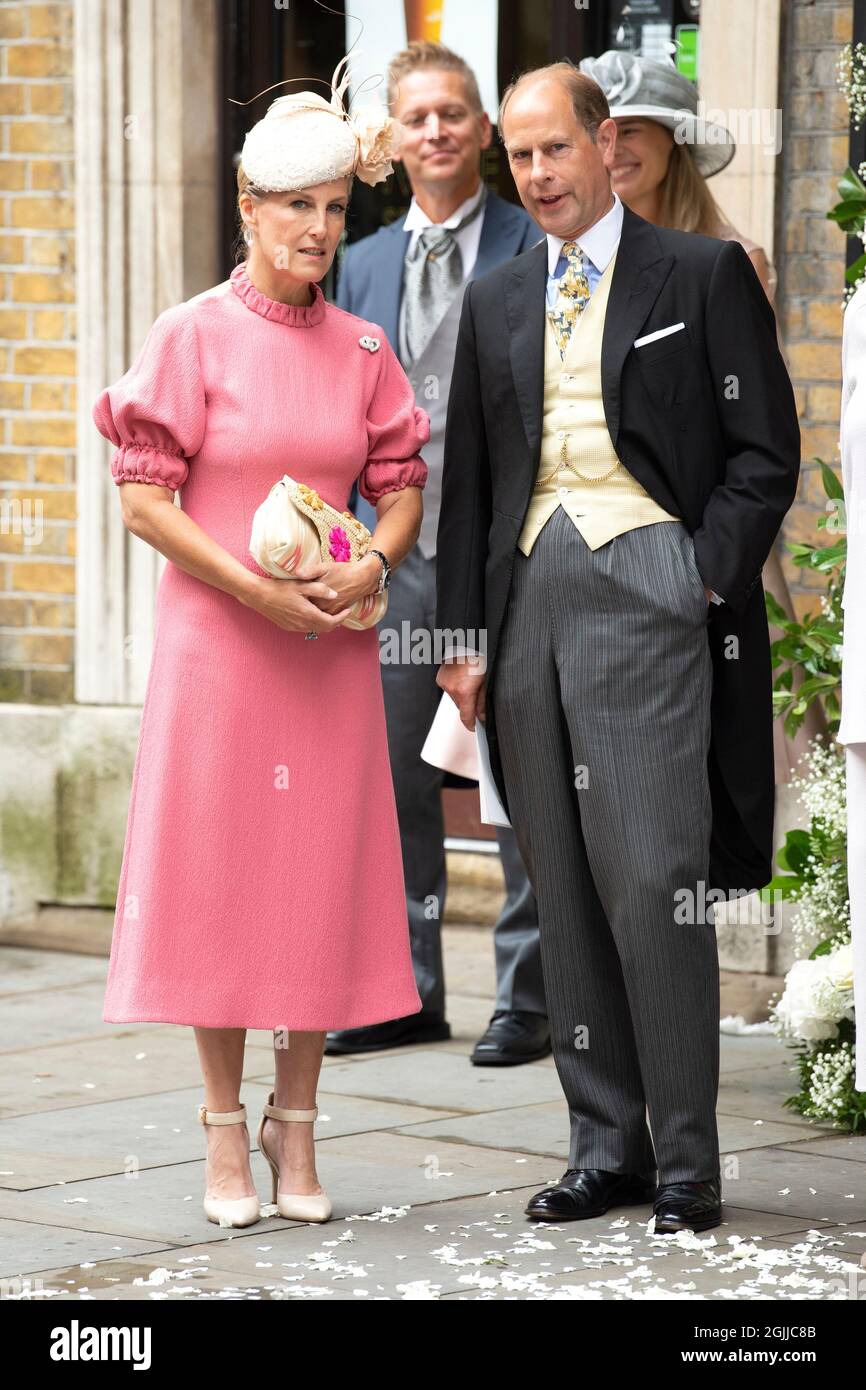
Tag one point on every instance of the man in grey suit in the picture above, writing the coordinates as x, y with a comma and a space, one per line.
621, 448
409, 277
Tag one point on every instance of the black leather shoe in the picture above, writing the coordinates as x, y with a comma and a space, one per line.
584, 1192
511, 1038
395, 1032
688, 1206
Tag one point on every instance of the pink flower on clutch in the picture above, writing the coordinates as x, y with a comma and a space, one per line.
339, 547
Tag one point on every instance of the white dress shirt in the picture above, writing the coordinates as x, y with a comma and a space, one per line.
468, 238
597, 243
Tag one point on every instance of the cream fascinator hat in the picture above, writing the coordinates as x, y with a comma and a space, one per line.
656, 90
303, 139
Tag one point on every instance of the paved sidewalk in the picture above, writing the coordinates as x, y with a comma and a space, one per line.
427, 1159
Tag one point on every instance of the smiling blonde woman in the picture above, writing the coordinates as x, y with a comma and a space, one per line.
665, 153
261, 883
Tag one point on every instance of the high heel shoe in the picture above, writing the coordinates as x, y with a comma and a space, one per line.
294, 1205
229, 1211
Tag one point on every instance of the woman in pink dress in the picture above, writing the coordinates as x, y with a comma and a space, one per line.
262, 882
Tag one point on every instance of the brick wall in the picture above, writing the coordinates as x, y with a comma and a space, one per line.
37, 352
812, 260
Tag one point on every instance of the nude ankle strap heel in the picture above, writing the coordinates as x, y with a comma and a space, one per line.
225, 1211
296, 1206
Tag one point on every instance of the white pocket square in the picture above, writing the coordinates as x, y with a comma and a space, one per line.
660, 333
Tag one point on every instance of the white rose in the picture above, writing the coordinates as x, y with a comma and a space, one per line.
840, 968
798, 1012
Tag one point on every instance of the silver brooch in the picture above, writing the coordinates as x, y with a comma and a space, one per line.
371, 344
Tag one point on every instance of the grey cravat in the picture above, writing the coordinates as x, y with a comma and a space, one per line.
432, 276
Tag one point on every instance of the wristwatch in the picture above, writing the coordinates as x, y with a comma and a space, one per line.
385, 576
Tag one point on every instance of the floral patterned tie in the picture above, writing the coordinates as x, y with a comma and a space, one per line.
572, 298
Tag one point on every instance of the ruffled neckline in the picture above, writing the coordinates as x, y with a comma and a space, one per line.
297, 315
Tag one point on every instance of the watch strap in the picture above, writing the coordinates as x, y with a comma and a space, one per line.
386, 570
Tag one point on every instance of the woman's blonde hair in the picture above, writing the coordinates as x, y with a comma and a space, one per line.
686, 202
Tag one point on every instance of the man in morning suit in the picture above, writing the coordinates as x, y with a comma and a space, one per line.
621, 448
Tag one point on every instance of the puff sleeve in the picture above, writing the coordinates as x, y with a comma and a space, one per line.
155, 413
396, 430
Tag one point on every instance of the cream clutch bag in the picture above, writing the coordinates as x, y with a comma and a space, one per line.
294, 527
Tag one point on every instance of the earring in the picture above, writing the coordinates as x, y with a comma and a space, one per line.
248, 236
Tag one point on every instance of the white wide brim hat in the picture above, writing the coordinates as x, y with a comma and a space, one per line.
653, 90
303, 139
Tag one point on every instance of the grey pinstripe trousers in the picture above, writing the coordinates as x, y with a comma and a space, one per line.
602, 709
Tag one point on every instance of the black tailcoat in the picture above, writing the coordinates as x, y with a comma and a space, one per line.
704, 418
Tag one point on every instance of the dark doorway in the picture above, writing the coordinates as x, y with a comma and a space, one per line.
262, 45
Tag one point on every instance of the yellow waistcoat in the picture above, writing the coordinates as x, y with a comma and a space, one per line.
574, 415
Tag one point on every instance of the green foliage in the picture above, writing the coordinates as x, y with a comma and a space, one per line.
794, 858
850, 216
811, 648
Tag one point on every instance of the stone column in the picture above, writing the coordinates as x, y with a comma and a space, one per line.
739, 71
147, 183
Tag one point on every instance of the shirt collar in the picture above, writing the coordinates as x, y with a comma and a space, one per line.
598, 242
417, 220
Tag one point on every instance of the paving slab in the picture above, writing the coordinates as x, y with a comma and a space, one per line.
848, 1241
445, 1080
774, 1273
36, 1018
470, 966
544, 1129
785, 1180
24, 969
477, 1247
535, 1129
139, 1280
743, 1132
760, 1094
126, 1062
361, 1173
29, 1246
848, 1146
149, 1131
750, 1052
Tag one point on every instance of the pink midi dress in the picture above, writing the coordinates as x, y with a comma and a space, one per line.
262, 883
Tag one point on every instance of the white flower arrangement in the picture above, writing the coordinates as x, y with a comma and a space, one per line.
818, 995
851, 80
830, 1081
822, 788
816, 1011
823, 910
